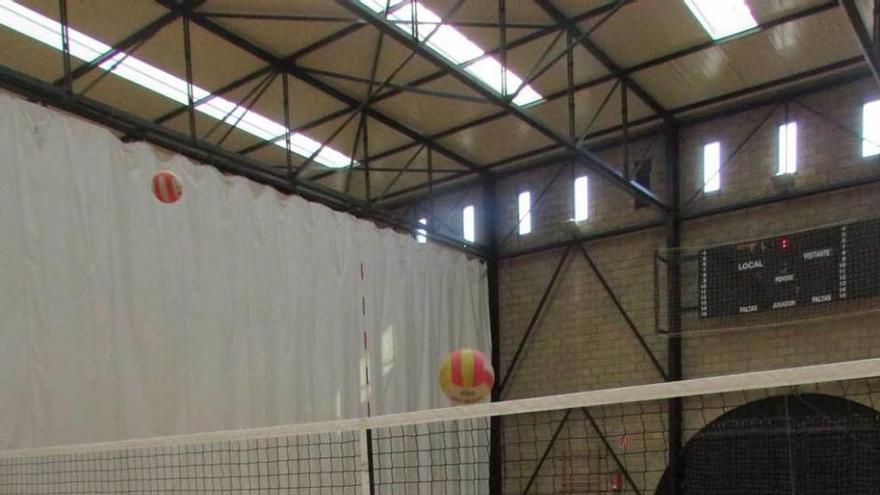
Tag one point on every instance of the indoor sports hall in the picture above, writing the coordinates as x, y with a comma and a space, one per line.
440, 247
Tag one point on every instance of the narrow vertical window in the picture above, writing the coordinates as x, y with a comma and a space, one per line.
712, 167
643, 178
422, 234
787, 148
467, 223
871, 128
525, 212
581, 199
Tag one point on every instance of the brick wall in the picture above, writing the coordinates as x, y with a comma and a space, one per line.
828, 152
583, 325
444, 212
609, 208
581, 342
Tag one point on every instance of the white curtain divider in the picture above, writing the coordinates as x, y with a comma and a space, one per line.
121, 317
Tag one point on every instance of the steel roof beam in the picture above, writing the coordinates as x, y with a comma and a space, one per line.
291, 68
604, 59
332, 19
844, 65
264, 70
135, 38
603, 79
603, 9
866, 44
589, 159
388, 94
818, 9
204, 152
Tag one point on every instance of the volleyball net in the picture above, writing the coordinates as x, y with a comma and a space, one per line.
813, 429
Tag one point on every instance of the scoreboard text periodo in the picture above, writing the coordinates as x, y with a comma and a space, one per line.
794, 270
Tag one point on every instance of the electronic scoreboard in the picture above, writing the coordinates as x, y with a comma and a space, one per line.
805, 268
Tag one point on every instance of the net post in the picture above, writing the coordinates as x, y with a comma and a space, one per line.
489, 229
366, 457
673, 301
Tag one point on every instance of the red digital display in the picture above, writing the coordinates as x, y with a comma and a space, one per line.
783, 243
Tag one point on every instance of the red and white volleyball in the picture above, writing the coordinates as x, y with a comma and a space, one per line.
466, 376
167, 186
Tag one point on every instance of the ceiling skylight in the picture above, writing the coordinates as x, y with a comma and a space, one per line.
48, 31
456, 47
722, 18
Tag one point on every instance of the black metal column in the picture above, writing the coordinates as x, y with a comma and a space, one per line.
187, 54
673, 241
371, 473
490, 230
65, 45
866, 44
876, 28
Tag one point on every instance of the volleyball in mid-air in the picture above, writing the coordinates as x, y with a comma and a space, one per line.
466, 376
167, 186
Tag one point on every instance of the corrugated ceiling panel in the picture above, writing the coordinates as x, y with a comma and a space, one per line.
441, 162
91, 16
235, 141
122, 94
496, 140
432, 114
766, 10
32, 58
639, 31
275, 156
811, 42
404, 159
307, 7
382, 182
572, 8
352, 184
487, 11
586, 67
383, 137
554, 114
354, 54
306, 103
542, 157
388, 184
216, 62
691, 78
784, 50
529, 59
343, 141
281, 37
589, 102
48, 8
646, 29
